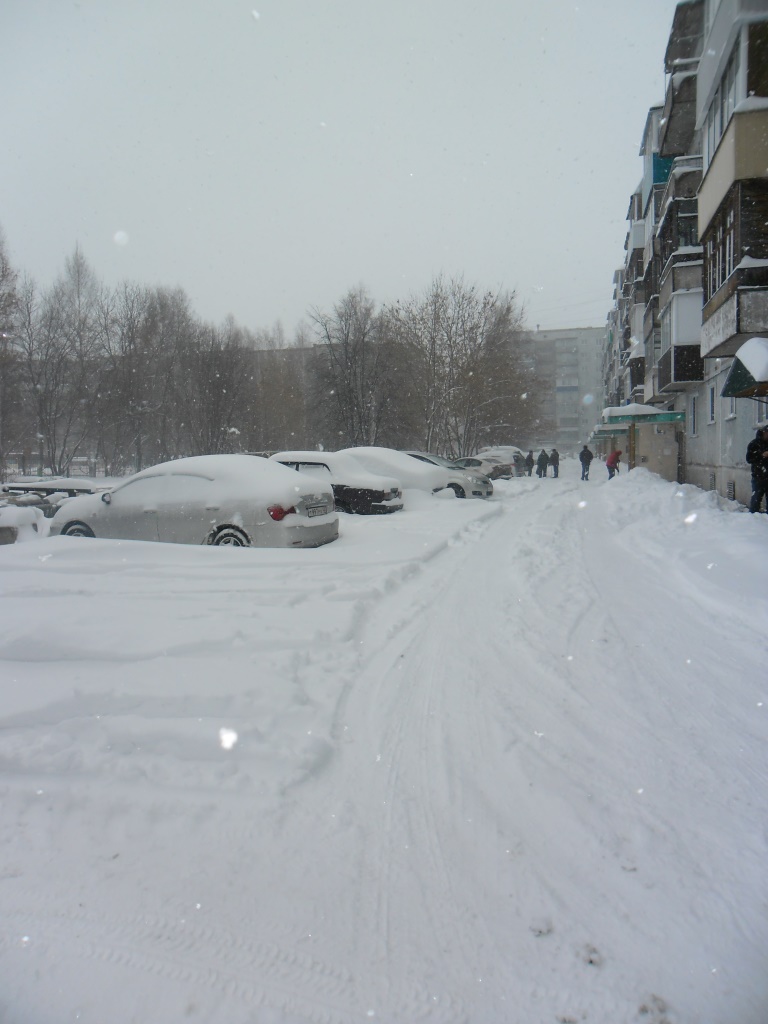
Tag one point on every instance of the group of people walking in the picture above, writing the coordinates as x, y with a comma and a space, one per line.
757, 458
544, 461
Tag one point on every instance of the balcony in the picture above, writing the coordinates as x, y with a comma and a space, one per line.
678, 121
636, 369
679, 366
741, 155
736, 312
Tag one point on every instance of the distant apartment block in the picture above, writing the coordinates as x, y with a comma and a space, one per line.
569, 362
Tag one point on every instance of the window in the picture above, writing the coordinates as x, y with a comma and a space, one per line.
720, 249
731, 408
761, 415
730, 237
723, 104
712, 405
666, 329
692, 418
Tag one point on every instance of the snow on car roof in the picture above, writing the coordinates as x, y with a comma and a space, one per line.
341, 464
234, 474
409, 471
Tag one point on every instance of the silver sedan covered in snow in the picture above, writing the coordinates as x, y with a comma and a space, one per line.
233, 500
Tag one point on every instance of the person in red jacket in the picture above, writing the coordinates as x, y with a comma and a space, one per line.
612, 463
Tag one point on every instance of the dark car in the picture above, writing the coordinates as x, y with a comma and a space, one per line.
355, 489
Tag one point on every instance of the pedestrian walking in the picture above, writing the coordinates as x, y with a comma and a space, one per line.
529, 462
585, 458
757, 457
554, 461
612, 463
541, 464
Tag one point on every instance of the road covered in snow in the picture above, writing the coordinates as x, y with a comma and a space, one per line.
475, 762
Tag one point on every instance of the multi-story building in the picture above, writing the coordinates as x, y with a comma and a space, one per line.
571, 362
703, 205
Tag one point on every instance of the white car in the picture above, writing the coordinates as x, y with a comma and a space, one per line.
233, 500
466, 483
355, 489
492, 467
509, 454
411, 474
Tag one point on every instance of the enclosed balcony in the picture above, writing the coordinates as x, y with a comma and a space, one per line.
678, 120
680, 366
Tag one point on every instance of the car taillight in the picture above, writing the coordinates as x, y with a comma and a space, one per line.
278, 513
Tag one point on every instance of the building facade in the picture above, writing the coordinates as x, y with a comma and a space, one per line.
570, 361
694, 283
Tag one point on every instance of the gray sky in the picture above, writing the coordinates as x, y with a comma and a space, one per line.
268, 155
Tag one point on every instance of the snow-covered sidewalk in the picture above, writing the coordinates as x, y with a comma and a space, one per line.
474, 762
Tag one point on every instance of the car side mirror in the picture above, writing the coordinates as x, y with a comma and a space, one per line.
106, 498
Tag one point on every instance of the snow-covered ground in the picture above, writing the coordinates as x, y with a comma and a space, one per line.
474, 763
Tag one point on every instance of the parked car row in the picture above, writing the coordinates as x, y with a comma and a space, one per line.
286, 499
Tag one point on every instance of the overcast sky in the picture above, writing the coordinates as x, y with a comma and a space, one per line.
268, 155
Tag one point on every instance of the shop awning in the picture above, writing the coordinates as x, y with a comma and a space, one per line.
748, 375
636, 413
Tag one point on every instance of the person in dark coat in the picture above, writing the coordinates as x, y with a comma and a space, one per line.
585, 457
757, 457
541, 463
529, 462
612, 463
554, 461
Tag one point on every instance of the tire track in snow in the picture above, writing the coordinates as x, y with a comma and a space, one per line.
418, 788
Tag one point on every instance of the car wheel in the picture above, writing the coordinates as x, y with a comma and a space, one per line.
231, 537
458, 491
342, 506
75, 529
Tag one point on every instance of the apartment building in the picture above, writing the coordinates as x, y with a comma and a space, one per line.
570, 362
694, 283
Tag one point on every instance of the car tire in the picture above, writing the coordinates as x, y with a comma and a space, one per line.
230, 537
76, 529
458, 491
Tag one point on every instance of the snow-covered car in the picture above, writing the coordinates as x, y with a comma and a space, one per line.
233, 500
411, 474
509, 453
45, 493
492, 467
466, 483
354, 489
17, 524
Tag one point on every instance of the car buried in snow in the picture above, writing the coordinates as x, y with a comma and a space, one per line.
492, 467
222, 500
355, 489
465, 483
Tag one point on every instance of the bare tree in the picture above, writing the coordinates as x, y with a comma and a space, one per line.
59, 343
12, 422
355, 383
460, 345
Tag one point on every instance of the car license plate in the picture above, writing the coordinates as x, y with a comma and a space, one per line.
316, 510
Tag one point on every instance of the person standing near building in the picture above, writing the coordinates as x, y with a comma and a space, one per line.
554, 461
585, 458
612, 463
529, 462
757, 457
541, 463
